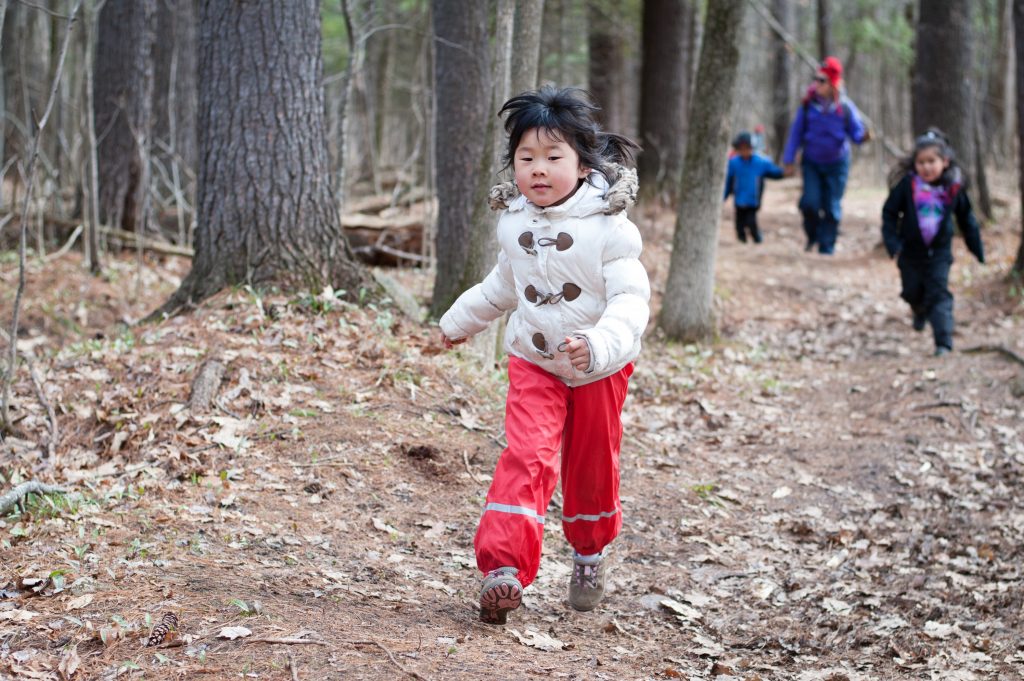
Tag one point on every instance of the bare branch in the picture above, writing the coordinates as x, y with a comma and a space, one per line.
5, 423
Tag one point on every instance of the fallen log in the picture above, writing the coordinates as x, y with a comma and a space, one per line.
12, 498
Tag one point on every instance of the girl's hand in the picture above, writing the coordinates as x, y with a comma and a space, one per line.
579, 353
449, 343
789, 170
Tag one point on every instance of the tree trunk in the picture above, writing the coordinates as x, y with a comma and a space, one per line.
462, 94
606, 78
824, 29
996, 102
664, 94
175, 89
942, 92
124, 107
526, 41
265, 210
687, 313
1018, 41
782, 76
24, 51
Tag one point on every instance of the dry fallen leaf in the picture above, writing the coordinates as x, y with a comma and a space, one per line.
18, 615
69, 662
79, 602
538, 640
234, 632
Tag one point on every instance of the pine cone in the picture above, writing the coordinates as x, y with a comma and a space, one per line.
168, 623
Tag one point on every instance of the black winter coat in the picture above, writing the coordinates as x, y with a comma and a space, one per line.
902, 234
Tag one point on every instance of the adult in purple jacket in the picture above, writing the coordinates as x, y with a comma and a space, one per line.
824, 125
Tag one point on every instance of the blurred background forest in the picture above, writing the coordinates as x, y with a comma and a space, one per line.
121, 161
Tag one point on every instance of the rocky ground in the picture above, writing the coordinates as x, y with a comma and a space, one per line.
812, 496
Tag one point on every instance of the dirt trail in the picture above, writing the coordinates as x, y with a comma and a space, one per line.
813, 497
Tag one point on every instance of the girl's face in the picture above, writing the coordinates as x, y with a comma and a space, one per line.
547, 168
929, 164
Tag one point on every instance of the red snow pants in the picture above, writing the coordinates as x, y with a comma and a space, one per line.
543, 415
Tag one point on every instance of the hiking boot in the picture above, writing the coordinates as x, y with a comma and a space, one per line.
919, 321
941, 350
586, 586
500, 594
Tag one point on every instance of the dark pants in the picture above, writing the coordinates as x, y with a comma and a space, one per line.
926, 287
746, 221
824, 184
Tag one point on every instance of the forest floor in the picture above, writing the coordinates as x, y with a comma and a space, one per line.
813, 496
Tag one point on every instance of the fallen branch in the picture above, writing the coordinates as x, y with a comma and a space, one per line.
130, 239
287, 641
11, 499
1000, 349
390, 657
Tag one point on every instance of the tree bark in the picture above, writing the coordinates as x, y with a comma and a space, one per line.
686, 312
175, 89
782, 76
526, 45
664, 95
124, 107
606, 78
824, 28
462, 90
265, 210
942, 92
1018, 40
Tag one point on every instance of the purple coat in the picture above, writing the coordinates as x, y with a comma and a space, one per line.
823, 129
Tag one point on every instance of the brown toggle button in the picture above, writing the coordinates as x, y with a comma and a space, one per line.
571, 292
562, 242
526, 241
541, 344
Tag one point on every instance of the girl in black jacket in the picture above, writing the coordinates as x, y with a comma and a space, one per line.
917, 226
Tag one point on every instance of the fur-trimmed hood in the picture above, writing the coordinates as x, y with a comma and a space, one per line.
616, 198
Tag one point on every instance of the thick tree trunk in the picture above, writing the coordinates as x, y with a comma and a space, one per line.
942, 92
175, 91
607, 76
462, 72
686, 313
124, 107
782, 76
265, 210
526, 45
1018, 40
996, 102
664, 94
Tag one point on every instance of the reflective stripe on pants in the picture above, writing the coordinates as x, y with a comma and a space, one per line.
543, 415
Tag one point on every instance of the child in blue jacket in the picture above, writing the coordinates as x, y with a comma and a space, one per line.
745, 181
917, 226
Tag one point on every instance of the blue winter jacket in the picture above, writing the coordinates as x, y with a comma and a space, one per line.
822, 128
745, 179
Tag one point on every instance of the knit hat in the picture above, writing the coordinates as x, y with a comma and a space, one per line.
741, 140
832, 69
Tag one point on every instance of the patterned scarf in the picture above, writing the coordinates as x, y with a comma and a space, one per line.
931, 202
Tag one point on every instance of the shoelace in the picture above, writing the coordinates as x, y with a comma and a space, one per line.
585, 575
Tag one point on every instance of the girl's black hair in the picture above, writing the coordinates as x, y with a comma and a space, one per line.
568, 114
933, 138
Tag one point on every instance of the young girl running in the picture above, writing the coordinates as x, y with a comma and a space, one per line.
569, 267
927, 191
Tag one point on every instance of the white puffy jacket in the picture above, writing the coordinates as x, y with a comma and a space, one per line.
567, 270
